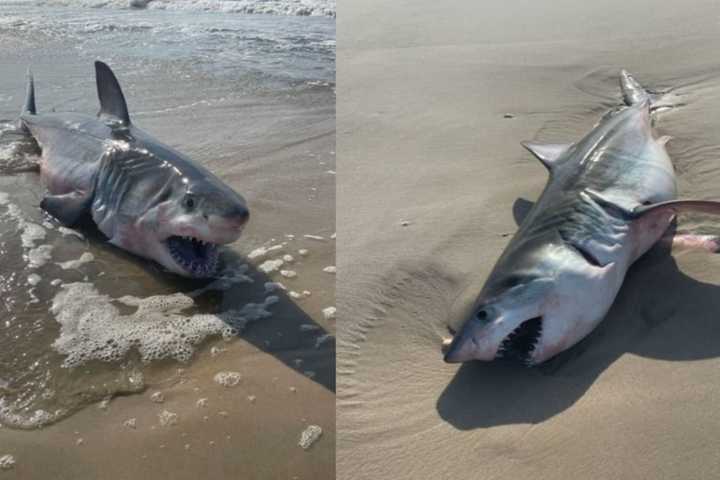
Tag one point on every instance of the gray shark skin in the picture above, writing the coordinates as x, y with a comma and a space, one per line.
609, 198
144, 196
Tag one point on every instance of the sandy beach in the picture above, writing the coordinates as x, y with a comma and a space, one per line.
433, 102
201, 82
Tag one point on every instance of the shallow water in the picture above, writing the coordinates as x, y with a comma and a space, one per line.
250, 97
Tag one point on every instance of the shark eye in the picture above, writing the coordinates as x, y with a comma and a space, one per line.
481, 315
189, 202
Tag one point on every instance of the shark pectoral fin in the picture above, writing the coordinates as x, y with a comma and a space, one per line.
547, 154
112, 101
678, 206
66, 208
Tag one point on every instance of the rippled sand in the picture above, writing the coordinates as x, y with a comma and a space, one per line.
433, 101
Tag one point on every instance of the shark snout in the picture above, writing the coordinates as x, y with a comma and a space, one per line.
465, 346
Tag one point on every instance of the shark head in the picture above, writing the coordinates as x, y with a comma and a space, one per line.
187, 228
173, 211
531, 314
154, 201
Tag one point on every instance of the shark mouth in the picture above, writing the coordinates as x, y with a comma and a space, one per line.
197, 257
519, 345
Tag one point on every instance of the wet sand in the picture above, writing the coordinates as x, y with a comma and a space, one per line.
434, 175
278, 151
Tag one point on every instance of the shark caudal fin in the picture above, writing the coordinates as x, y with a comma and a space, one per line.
634, 93
112, 101
29, 106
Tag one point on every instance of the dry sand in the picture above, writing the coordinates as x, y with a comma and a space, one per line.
430, 177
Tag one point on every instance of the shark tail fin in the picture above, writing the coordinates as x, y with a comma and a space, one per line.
29, 106
633, 93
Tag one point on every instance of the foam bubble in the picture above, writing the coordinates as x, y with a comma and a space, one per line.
288, 273
322, 339
226, 280
263, 251
32, 232
7, 462
33, 279
86, 257
314, 237
157, 397
330, 269
288, 258
69, 231
309, 436
92, 327
329, 313
167, 418
273, 286
130, 423
303, 251
39, 256
270, 266
227, 379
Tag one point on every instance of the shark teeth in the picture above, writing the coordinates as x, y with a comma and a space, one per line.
198, 257
521, 343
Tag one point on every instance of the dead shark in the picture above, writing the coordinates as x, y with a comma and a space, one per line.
610, 197
144, 196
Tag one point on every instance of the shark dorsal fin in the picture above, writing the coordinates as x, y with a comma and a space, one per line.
112, 101
547, 153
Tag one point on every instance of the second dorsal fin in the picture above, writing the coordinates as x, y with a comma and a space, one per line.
546, 153
112, 101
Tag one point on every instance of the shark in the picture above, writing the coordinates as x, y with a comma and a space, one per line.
609, 198
144, 196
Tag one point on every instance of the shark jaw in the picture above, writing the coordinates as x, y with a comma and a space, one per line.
518, 345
